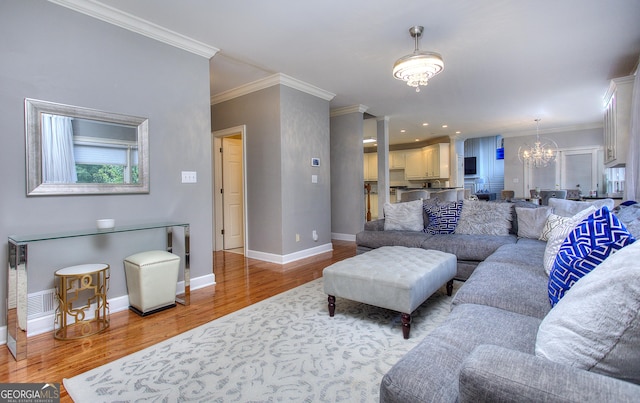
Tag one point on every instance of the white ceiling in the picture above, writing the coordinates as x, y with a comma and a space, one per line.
507, 62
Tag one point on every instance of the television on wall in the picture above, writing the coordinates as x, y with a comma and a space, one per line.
470, 165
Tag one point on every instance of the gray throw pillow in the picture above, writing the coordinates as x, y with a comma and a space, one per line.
531, 221
403, 216
484, 218
596, 325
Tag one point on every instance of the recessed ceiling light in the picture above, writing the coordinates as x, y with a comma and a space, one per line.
444, 126
417, 139
458, 132
425, 124
403, 131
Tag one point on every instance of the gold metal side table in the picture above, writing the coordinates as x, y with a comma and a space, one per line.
74, 286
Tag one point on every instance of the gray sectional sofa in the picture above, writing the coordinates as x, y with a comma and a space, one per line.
470, 248
489, 348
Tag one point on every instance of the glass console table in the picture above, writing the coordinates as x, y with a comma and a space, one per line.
18, 274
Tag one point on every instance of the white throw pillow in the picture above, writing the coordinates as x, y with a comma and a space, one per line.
403, 216
596, 325
531, 221
569, 208
556, 230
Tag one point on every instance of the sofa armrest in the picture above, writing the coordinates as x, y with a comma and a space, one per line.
375, 225
496, 374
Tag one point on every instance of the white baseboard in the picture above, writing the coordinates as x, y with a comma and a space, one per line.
292, 257
343, 237
45, 323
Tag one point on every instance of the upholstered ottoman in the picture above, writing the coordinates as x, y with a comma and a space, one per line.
391, 277
152, 279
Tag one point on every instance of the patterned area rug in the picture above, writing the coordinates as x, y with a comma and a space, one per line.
285, 348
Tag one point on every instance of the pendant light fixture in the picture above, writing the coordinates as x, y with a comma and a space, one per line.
542, 153
417, 68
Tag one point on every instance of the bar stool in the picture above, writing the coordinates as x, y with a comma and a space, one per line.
77, 283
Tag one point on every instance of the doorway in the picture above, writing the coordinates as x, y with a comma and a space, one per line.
229, 190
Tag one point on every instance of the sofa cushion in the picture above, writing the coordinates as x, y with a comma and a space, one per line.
443, 218
526, 252
403, 216
596, 326
377, 239
568, 208
588, 245
467, 247
496, 374
500, 285
430, 371
557, 229
531, 221
484, 218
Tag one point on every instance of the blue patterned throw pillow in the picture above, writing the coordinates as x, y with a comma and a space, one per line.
588, 245
443, 218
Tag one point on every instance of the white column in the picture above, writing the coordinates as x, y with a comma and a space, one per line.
383, 163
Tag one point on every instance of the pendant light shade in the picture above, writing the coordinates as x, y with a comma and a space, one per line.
417, 68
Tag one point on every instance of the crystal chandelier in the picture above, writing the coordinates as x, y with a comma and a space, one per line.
417, 68
541, 154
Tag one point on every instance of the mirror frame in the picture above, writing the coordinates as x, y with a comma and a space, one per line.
33, 134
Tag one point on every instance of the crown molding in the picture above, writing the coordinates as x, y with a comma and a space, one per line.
613, 85
572, 128
348, 109
275, 79
138, 25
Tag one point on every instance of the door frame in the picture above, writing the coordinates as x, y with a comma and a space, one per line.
218, 213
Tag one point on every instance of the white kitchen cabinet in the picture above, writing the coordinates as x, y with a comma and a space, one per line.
617, 121
414, 168
396, 159
436, 160
370, 167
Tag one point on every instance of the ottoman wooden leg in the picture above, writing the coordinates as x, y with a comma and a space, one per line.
450, 287
406, 324
332, 305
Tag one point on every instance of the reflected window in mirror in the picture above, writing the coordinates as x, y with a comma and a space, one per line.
74, 150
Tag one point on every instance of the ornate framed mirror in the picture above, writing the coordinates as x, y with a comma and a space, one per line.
71, 150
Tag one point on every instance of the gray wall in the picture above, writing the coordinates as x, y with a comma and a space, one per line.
305, 134
285, 128
260, 112
347, 179
55, 54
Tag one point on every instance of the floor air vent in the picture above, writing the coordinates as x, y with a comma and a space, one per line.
41, 303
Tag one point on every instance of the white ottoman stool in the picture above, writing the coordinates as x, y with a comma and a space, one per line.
392, 277
152, 279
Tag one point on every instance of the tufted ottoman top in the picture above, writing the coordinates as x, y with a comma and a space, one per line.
392, 277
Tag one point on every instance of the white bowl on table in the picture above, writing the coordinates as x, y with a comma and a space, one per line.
105, 223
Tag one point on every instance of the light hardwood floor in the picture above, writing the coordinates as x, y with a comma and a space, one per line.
239, 282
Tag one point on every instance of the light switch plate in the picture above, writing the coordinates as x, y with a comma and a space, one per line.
189, 177
314, 178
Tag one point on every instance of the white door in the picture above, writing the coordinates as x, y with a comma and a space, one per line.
232, 193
